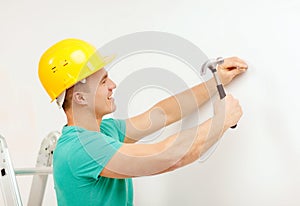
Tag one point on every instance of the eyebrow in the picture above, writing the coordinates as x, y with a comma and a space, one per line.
104, 77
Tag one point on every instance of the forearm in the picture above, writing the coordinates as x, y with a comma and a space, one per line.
176, 107
133, 160
203, 137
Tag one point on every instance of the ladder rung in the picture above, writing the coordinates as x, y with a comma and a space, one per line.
34, 171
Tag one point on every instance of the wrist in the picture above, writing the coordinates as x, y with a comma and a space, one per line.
211, 86
219, 124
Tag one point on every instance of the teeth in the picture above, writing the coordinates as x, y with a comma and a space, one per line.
110, 97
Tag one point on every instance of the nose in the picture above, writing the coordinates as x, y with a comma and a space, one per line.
112, 84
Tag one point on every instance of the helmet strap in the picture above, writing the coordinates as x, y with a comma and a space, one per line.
60, 99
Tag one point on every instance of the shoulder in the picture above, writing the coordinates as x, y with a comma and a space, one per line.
112, 123
114, 127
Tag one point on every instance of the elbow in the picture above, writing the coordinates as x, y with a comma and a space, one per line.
185, 158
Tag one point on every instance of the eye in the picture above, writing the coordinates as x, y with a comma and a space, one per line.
104, 80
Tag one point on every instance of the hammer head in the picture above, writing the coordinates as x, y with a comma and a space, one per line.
211, 64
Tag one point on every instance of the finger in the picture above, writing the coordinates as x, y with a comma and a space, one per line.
238, 70
239, 64
235, 62
242, 65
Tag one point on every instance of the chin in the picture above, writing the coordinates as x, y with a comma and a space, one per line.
113, 109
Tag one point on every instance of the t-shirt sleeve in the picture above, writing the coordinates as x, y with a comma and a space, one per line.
121, 127
115, 128
93, 152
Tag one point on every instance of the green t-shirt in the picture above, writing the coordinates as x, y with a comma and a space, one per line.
80, 156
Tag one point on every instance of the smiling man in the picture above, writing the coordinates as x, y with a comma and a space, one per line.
96, 158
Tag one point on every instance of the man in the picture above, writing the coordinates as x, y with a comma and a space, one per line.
96, 158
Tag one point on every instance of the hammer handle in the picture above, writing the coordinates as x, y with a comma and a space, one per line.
223, 95
221, 91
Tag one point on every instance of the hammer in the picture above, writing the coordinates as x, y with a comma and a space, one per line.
212, 66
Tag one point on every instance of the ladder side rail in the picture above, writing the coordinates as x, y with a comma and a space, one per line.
44, 162
10, 189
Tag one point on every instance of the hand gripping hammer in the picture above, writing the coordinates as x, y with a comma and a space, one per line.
212, 66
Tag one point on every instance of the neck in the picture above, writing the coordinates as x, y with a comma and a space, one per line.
84, 119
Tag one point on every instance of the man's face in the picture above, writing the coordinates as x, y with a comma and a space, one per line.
101, 90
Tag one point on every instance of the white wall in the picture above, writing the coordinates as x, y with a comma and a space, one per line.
256, 164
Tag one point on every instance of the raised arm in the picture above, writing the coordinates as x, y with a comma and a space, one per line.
176, 107
168, 111
133, 160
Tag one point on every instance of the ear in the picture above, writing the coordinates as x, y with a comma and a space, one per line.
80, 98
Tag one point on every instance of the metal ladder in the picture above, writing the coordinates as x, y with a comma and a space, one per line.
9, 185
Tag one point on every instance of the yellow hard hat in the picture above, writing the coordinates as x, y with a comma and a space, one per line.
68, 62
